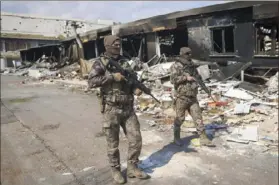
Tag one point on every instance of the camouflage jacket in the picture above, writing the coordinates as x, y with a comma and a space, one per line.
182, 86
101, 77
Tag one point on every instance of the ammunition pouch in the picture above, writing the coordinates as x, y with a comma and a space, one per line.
189, 89
119, 100
101, 99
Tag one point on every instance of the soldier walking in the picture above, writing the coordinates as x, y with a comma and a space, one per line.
186, 90
118, 109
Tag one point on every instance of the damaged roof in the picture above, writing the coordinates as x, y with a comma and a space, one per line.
39, 47
89, 35
28, 36
159, 22
169, 21
219, 8
98, 21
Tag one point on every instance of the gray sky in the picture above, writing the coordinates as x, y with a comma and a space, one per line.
118, 11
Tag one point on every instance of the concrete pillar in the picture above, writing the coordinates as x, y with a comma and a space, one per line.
157, 44
242, 75
151, 45
121, 49
3, 64
3, 45
96, 48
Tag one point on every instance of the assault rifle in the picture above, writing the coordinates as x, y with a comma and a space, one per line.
191, 69
132, 78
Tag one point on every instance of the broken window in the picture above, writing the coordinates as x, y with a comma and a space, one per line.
267, 39
166, 41
134, 46
100, 45
89, 50
223, 39
172, 40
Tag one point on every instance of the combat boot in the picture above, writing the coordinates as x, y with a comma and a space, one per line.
134, 172
117, 176
205, 141
176, 134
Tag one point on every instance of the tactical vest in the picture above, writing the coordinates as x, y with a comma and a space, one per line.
187, 88
116, 92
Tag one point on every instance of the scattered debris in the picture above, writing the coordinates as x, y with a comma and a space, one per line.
88, 168
67, 174
237, 104
242, 108
239, 94
273, 84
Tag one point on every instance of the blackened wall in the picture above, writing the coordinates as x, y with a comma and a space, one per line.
199, 29
199, 37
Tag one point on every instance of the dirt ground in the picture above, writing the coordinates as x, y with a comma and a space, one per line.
49, 137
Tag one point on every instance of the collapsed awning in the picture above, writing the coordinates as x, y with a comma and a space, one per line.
263, 11
88, 36
91, 35
152, 26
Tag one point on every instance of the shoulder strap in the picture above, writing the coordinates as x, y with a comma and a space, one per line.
104, 61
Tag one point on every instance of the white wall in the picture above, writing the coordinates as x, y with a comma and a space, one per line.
53, 27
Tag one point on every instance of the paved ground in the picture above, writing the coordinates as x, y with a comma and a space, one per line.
48, 137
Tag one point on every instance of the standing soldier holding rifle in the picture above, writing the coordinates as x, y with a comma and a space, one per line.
186, 89
117, 96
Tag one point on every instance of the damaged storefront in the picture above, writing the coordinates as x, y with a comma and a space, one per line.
234, 32
266, 27
93, 42
238, 36
53, 54
146, 38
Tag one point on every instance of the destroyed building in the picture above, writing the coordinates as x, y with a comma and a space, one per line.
231, 34
237, 35
221, 33
24, 31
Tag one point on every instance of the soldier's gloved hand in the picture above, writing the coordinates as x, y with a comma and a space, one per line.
118, 77
138, 92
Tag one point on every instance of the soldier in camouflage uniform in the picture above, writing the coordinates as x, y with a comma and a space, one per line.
186, 90
119, 111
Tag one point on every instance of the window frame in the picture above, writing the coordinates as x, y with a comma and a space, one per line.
212, 51
257, 26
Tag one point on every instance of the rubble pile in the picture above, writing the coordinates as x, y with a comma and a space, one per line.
239, 107
46, 68
247, 111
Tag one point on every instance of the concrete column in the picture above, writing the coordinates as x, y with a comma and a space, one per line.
121, 50
3, 45
242, 75
96, 48
157, 45
151, 45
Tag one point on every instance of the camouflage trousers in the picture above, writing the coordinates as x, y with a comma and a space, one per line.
192, 106
126, 118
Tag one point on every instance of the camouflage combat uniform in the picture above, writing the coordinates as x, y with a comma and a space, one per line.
119, 111
185, 96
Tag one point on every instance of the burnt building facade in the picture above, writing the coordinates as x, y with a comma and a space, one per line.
223, 33
235, 31
240, 31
